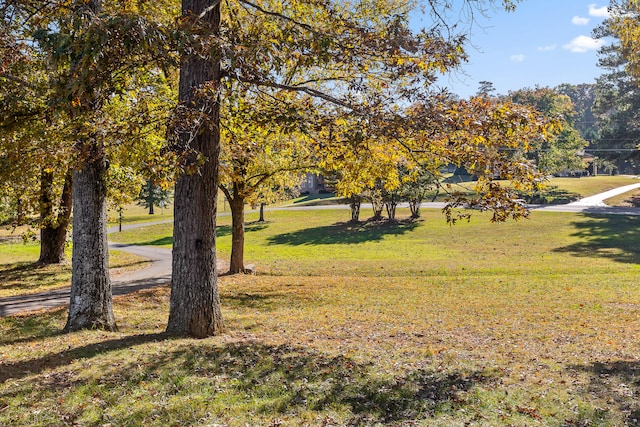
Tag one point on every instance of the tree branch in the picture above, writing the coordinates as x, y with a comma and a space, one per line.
309, 91
278, 15
226, 192
264, 176
17, 80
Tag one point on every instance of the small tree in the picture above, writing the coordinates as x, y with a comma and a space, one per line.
262, 155
416, 186
376, 195
153, 195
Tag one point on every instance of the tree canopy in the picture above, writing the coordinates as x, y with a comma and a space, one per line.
561, 153
350, 82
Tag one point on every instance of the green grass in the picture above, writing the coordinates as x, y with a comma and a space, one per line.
135, 214
628, 199
561, 190
524, 324
588, 186
19, 273
320, 243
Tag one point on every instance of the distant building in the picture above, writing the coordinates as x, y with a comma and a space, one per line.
313, 184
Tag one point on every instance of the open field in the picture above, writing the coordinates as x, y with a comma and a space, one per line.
523, 324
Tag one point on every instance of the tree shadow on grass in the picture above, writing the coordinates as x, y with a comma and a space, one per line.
303, 377
254, 226
617, 383
28, 275
274, 379
22, 368
344, 232
163, 241
30, 328
606, 236
551, 195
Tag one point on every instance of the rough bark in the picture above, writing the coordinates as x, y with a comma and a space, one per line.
354, 204
91, 300
377, 205
237, 235
414, 205
53, 231
391, 206
195, 301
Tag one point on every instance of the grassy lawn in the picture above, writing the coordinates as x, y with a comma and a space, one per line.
135, 214
628, 199
588, 186
19, 273
521, 324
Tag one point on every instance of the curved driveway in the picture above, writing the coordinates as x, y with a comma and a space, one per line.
156, 274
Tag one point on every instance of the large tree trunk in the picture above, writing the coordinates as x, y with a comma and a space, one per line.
195, 301
237, 235
53, 231
91, 301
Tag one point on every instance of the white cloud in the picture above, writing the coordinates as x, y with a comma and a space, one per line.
579, 20
548, 48
599, 12
582, 44
517, 58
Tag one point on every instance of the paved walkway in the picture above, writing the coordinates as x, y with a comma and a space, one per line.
159, 272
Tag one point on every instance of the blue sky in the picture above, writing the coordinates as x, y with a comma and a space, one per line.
544, 42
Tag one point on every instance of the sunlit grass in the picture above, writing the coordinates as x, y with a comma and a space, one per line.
415, 323
590, 185
134, 214
320, 243
19, 273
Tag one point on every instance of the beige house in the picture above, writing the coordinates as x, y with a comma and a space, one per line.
313, 184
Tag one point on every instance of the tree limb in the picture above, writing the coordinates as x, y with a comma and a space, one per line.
309, 91
278, 15
17, 80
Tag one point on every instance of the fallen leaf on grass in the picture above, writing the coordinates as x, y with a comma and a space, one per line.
532, 412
